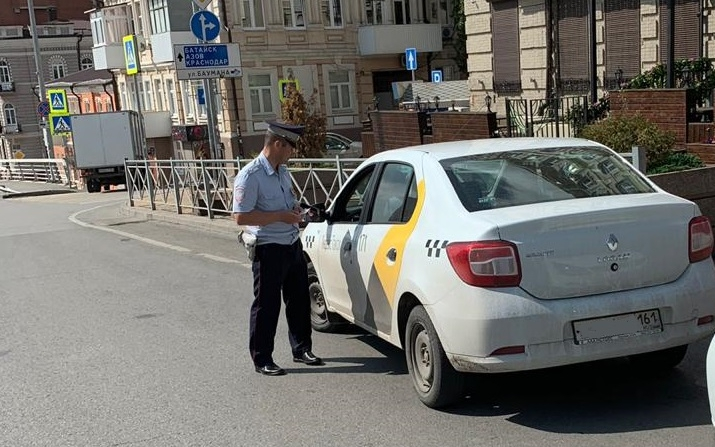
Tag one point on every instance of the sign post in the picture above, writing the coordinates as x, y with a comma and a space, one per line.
411, 61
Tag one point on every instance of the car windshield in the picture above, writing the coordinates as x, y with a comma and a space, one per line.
502, 179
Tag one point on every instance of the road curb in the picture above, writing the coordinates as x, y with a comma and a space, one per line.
220, 225
44, 192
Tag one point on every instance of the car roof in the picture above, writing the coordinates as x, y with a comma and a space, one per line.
451, 149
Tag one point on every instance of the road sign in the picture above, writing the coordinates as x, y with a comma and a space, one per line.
58, 101
206, 61
43, 109
131, 58
201, 96
205, 25
202, 4
411, 59
60, 124
283, 85
437, 76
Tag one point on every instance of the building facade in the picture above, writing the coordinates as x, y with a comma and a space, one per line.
536, 49
345, 54
65, 46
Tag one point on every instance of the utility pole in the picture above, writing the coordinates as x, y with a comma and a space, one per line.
40, 81
208, 86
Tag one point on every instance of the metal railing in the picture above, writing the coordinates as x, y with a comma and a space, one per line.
53, 170
205, 187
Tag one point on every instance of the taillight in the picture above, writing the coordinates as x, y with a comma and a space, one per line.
700, 239
486, 263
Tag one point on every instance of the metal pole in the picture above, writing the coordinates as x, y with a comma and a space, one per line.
670, 59
593, 65
208, 95
40, 79
142, 131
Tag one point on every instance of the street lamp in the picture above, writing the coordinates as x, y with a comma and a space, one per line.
419, 107
488, 102
619, 78
686, 77
436, 102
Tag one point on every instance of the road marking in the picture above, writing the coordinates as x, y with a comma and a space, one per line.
74, 219
219, 258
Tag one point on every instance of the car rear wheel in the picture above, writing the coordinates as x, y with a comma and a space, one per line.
320, 319
437, 383
660, 360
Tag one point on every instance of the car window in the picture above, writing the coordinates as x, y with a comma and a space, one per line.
334, 144
503, 179
351, 201
395, 187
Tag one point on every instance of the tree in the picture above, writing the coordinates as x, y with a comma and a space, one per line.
296, 110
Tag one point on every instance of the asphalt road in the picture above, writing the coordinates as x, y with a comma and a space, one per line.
115, 331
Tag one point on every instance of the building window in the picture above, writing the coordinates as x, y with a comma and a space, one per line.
261, 93
10, 115
86, 106
505, 44
123, 96
5, 72
195, 87
148, 93
332, 13
339, 84
171, 92
158, 94
375, 12
159, 16
58, 67
98, 105
86, 63
252, 14
293, 14
97, 24
108, 106
73, 105
188, 99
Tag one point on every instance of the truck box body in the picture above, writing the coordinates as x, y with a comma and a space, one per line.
105, 139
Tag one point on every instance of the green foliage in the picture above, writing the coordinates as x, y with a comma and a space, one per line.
676, 161
623, 132
695, 74
583, 114
459, 38
296, 110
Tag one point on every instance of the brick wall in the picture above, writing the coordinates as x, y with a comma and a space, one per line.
665, 107
395, 129
14, 12
453, 126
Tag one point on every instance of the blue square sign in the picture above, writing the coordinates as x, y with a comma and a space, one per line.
436, 76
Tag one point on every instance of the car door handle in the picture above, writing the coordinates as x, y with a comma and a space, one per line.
392, 254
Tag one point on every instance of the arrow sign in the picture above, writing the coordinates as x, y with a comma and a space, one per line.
205, 25
411, 59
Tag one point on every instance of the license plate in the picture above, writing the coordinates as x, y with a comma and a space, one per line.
105, 170
615, 327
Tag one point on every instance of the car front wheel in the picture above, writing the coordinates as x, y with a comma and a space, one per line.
437, 383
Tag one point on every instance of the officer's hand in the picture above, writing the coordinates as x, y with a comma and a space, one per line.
291, 217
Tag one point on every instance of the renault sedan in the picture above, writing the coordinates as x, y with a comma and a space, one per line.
501, 255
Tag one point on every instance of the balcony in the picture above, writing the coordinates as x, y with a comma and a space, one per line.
109, 26
394, 39
109, 56
162, 45
8, 86
157, 124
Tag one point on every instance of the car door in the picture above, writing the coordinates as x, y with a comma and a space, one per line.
382, 244
340, 272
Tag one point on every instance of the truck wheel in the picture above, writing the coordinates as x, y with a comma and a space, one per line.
93, 185
437, 383
320, 319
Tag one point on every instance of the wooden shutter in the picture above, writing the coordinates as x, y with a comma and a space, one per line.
573, 46
505, 47
623, 41
688, 32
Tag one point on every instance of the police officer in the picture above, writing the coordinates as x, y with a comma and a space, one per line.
265, 204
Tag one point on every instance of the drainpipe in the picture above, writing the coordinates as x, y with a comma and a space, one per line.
111, 98
234, 91
79, 99
79, 56
115, 88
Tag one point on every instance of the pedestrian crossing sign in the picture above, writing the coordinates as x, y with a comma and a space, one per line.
58, 101
131, 58
60, 124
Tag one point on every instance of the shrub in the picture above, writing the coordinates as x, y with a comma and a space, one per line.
676, 161
296, 110
621, 133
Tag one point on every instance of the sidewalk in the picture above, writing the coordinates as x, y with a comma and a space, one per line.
11, 189
219, 224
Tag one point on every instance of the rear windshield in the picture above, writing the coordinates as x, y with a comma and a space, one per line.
503, 179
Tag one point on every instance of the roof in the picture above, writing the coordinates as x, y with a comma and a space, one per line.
447, 91
450, 149
84, 78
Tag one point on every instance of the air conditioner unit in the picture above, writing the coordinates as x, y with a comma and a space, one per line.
447, 32
7, 86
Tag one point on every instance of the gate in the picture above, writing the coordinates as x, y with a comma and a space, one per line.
551, 117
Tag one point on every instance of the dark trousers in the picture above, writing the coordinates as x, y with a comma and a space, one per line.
279, 269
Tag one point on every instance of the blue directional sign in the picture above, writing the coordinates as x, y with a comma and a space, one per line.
201, 96
411, 59
207, 60
205, 25
436, 76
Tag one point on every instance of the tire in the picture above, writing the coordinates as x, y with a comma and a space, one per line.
662, 360
437, 383
93, 185
320, 319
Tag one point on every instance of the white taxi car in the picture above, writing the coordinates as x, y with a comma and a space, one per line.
511, 254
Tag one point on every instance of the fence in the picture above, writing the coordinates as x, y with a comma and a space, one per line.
52, 170
205, 187
552, 117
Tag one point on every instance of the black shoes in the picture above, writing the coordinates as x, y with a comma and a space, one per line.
270, 369
308, 358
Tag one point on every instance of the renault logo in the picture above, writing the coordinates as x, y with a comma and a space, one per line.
612, 242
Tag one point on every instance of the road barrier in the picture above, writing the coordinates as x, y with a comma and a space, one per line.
53, 170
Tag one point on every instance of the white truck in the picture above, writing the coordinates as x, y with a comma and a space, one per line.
102, 141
